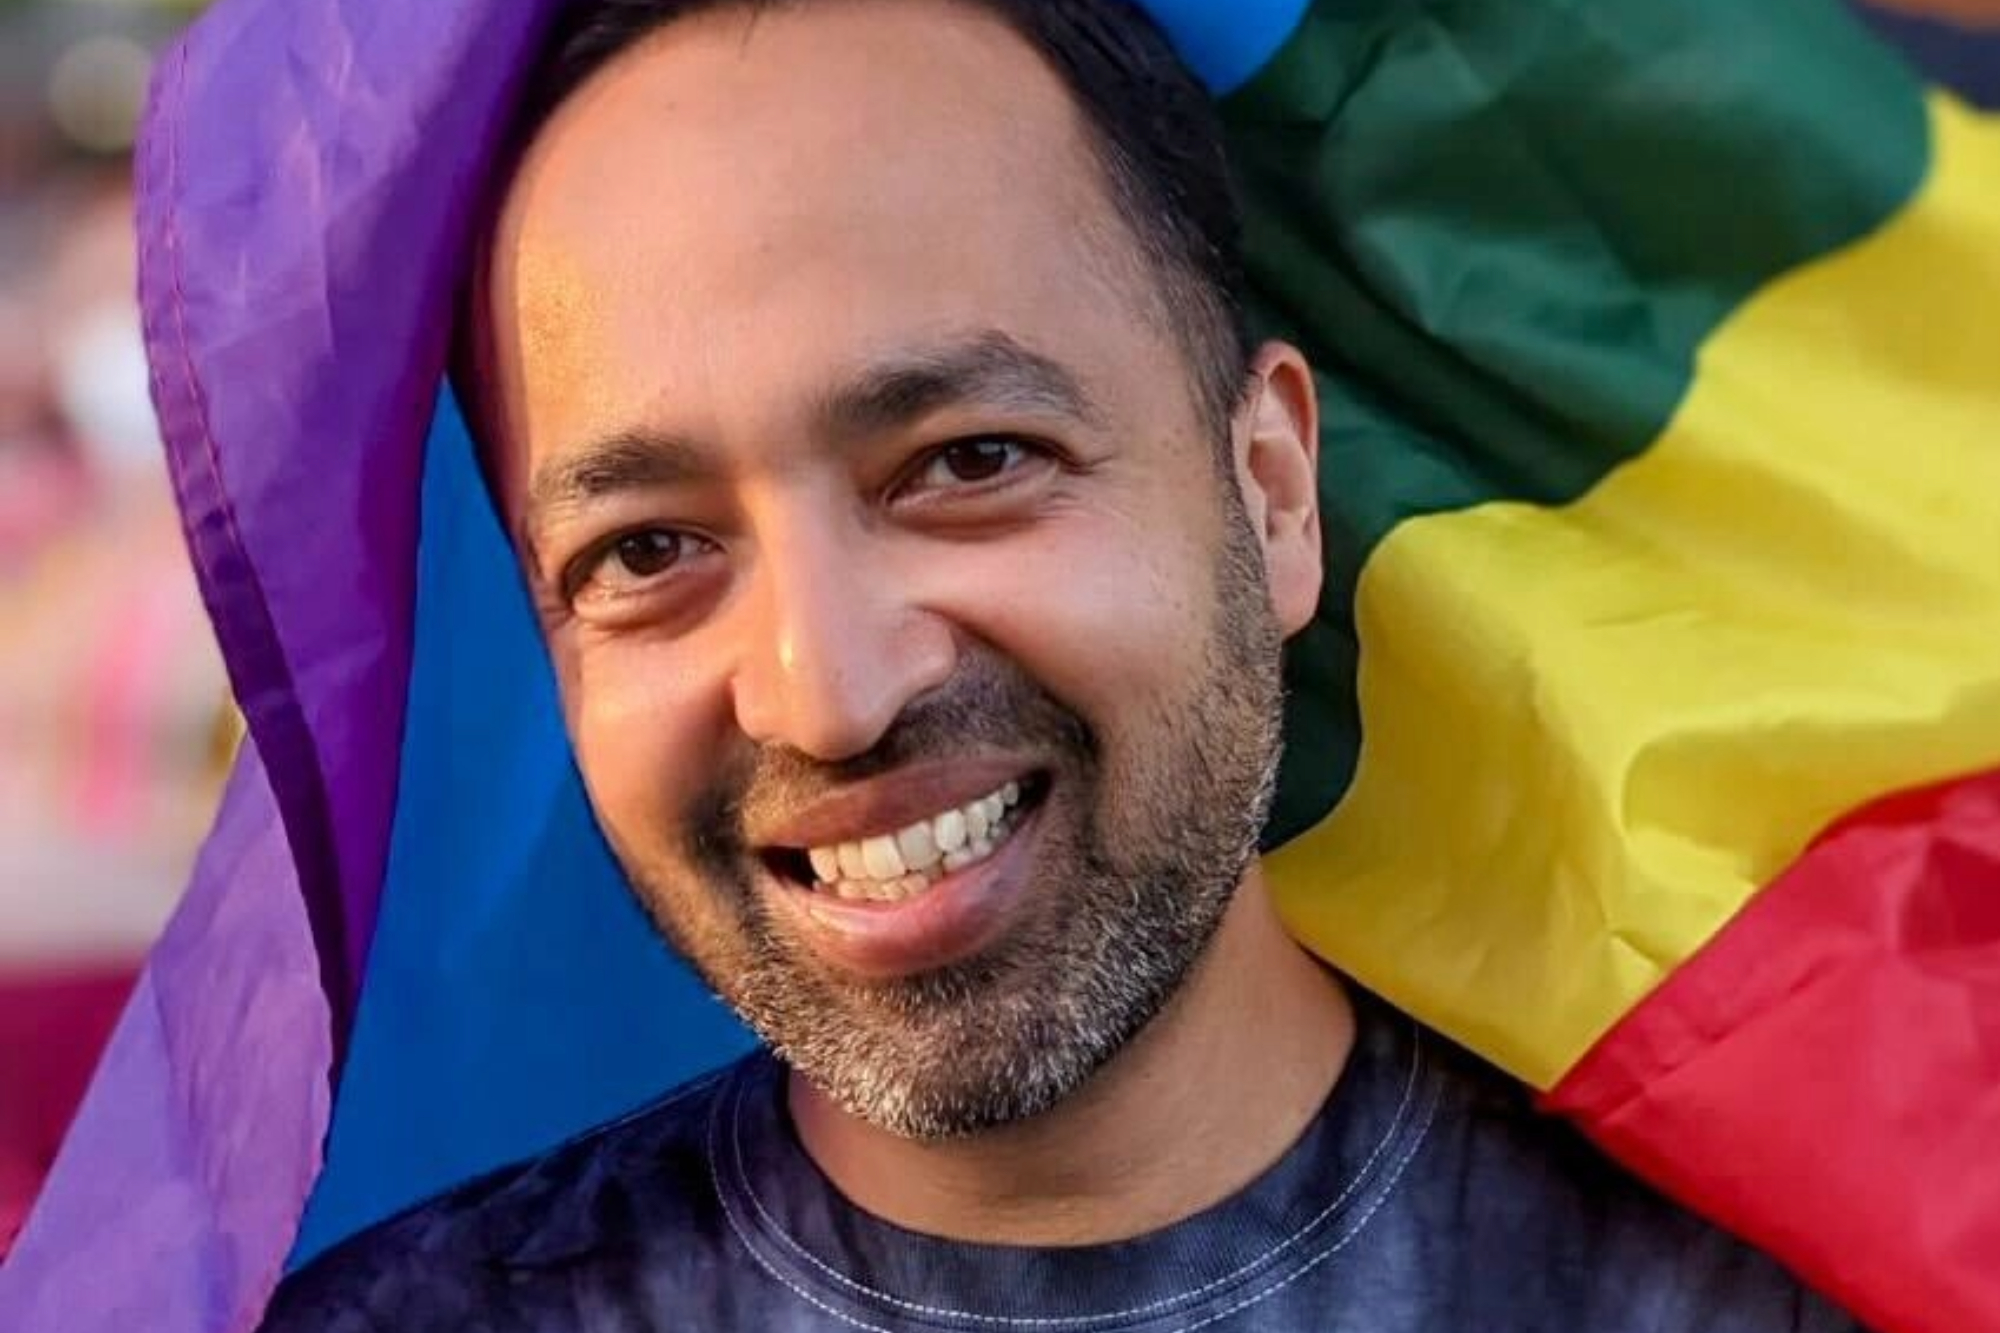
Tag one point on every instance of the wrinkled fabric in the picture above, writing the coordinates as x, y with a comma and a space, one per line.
1884, 938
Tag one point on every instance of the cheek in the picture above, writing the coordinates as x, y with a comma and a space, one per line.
640, 724
1110, 611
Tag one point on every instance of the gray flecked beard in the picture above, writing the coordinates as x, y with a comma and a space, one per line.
1141, 854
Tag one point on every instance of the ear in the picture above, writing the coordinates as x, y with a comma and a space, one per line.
1277, 467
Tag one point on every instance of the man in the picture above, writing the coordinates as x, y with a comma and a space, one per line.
915, 531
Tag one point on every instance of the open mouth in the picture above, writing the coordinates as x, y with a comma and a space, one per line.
893, 867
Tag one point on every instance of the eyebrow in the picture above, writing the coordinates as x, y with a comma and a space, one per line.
989, 369
630, 460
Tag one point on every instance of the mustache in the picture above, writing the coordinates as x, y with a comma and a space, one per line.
988, 705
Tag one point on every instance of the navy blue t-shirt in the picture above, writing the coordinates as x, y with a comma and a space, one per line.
1426, 1197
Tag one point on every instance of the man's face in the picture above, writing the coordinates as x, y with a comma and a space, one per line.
912, 633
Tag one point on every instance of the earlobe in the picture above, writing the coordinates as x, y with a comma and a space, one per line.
1278, 466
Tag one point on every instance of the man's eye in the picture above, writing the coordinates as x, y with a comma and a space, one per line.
970, 462
628, 562
645, 554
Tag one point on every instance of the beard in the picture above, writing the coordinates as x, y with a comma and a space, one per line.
1144, 837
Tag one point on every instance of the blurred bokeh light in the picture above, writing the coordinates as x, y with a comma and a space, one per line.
114, 725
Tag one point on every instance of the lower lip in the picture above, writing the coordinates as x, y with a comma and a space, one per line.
950, 921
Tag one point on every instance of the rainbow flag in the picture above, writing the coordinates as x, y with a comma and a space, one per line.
1648, 741
1661, 703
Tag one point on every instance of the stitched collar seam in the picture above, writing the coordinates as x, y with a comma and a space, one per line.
1365, 1181
1361, 1222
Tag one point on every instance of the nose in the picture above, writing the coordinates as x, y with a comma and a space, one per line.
835, 644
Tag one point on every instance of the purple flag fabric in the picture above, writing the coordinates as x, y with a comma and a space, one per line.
171, 1204
302, 162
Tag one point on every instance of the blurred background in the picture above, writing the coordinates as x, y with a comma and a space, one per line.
114, 727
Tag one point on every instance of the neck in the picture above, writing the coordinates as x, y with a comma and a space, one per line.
1165, 1130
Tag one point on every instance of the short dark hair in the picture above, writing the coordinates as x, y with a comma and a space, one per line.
1153, 128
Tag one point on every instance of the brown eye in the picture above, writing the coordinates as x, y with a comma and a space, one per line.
973, 462
643, 555
978, 460
628, 564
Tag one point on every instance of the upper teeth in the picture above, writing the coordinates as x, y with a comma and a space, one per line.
920, 847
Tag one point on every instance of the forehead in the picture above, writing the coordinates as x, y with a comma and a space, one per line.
750, 196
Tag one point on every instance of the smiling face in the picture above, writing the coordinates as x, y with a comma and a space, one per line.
915, 627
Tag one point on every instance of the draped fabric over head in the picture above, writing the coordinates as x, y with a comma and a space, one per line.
1647, 741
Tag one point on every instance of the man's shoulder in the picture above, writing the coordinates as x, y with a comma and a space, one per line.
586, 1201
1520, 1191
